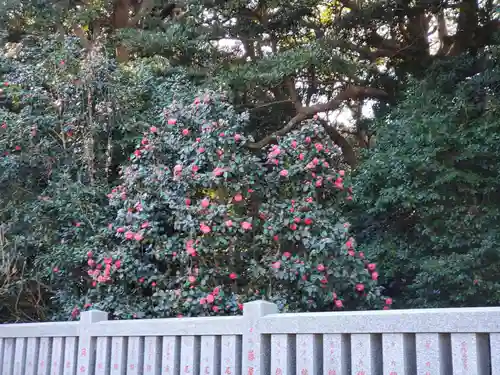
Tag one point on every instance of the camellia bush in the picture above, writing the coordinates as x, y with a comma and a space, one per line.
204, 224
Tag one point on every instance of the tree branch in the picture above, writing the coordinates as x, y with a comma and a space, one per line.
350, 92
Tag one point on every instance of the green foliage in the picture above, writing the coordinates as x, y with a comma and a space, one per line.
204, 225
430, 188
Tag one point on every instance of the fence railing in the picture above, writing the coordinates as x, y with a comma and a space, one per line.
463, 341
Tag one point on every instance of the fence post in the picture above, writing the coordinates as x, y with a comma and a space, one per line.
87, 343
256, 351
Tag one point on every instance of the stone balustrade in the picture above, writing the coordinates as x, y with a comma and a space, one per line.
463, 341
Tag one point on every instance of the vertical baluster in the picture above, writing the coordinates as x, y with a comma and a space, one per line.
282, 355
470, 354
70, 353
8, 356
336, 354
20, 356
118, 355
399, 354
135, 355
57, 359
231, 355
495, 353
190, 355
433, 353
32, 349
152, 356
309, 353
170, 355
103, 356
366, 354
44, 356
210, 355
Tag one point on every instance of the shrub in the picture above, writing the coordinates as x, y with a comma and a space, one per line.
203, 224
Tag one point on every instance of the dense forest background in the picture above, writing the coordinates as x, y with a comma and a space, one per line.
179, 159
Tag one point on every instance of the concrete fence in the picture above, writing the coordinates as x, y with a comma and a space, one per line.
261, 342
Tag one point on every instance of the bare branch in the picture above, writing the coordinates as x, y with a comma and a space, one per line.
351, 92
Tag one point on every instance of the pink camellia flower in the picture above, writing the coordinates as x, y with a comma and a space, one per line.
246, 225
91, 262
276, 238
177, 170
120, 230
89, 254
18, 148
185, 132
296, 220
371, 267
294, 144
308, 221
145, 225
349, 198
141, 279
362, 255
187, 201
172, 121
55, 269
308, 139
210, 298
138, 237
325, 164
233, 276
318, 146
238, 197
276, 265
195, 168
351, 252
237, 137
293, 226
301, 156
286, 254
203, 301
215, 292
205, 228
153, 284
4, 125
338, 303
360, 287
215, 309
349, 243
374, 275
388, 301
319, 182
341, 173
320, 267
201, 150
218, 171
153, 129
315, 161
118, 263
129, 235
191, 279
283, 173
229, 223
205, 203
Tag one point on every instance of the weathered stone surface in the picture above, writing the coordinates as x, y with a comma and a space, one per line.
336, 352
433, 352
470, 354
103, 355
152, 355
366, 354
118, 355
308, 357
171, 355
398, 354
231, 355
282, 354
